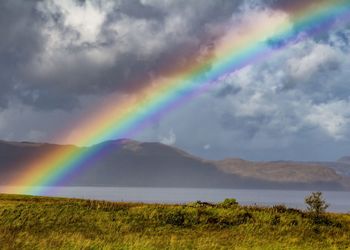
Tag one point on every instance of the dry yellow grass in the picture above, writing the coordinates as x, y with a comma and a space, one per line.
54, 223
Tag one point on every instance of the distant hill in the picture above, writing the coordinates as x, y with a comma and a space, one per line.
280, 171
130, 163
344, 159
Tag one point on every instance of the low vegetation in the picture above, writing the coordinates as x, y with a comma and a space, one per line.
316, 204
28, 222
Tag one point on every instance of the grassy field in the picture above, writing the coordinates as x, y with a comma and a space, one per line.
55, 223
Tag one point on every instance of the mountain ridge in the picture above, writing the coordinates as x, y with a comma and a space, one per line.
126, 162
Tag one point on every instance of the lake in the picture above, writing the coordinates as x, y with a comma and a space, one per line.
339, 201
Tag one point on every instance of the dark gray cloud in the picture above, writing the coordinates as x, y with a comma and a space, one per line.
50, 58
20, 40
228, 90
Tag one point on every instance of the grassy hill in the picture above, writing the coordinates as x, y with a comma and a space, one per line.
28, 222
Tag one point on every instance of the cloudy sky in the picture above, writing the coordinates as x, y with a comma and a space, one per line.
59, 59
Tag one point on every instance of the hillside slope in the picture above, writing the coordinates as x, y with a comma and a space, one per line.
131, 163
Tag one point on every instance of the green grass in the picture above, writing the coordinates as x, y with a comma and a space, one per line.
28, 222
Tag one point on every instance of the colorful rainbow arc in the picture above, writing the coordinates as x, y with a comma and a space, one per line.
122, 118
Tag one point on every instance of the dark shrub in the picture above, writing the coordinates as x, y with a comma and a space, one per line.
212, 220
325, 221
321, 220
316, 230
224, 222
243, 218
175, 218
201, 204
276, 220
228, 203
316, 203
280, 208
294, 211
294, 223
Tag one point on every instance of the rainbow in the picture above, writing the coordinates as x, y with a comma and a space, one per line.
121, 117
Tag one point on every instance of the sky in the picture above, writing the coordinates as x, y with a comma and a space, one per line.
60, 59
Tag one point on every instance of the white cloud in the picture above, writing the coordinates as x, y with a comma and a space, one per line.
332, 117
170, 139
207, 146
84, 19
313, 61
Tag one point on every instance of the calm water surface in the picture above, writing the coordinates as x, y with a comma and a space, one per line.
339, 201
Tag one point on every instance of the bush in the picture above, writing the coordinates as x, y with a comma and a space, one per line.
200, 204
294, 222
228, 203
316, 203
243, 218
175, 218
280, 208
276, 220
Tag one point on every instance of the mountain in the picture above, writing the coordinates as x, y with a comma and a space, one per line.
131, 163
